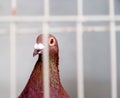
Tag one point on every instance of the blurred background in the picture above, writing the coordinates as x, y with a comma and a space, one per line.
96, 46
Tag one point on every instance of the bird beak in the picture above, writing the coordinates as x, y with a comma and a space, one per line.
38, 49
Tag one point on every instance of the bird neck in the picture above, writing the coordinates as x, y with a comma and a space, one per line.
54, 71
54, 77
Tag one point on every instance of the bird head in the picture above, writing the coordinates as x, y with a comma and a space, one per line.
40, 46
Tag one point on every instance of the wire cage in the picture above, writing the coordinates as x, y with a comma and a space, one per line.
84, 50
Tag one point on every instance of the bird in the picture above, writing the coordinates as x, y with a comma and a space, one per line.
34, 87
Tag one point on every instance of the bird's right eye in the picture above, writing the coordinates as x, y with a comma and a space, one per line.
52, 41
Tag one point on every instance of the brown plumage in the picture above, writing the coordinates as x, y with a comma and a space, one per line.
34, 87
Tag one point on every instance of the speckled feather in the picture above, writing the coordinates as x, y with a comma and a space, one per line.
34, 87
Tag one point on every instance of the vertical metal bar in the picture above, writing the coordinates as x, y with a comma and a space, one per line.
113, 62
13, 5
46, 8
79, 36
46, 62
80, 71
12, 61
113, 51
45, 28
13, 53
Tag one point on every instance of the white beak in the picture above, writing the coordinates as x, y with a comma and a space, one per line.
38, 48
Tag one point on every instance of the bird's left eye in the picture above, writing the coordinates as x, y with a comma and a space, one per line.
52, 42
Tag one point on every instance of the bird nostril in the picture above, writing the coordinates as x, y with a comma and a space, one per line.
38, 50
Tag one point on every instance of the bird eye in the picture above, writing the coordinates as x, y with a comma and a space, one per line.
52, 42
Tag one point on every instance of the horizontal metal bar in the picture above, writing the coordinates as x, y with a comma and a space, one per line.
39, 30
68, 29
61, 29
59, 18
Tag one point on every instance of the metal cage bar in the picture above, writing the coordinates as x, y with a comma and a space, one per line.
13, 53
113, 51
79, 36
12, 61
70, 18
45, 29
62, 29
